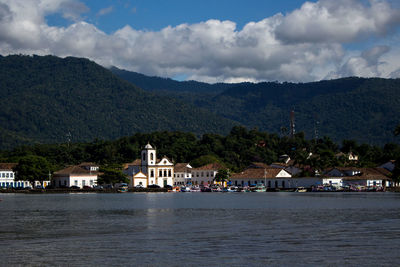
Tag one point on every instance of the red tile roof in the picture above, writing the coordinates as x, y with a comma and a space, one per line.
210, 167
75, 170
257, 173
7, 166
181, 167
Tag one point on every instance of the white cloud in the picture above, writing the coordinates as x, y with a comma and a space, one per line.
105, 11
303, 45
337, 21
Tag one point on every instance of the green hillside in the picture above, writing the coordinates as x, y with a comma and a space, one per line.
366, 110
45, 98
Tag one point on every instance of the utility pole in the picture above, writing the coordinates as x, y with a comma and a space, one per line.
292, 125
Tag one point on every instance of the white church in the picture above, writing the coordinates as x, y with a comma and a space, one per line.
149, 170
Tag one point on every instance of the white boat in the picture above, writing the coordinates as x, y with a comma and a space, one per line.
301, 189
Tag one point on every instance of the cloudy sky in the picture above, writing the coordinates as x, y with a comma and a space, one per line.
213, 41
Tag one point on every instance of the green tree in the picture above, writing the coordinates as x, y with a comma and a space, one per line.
222, 176
112, 174
33, 168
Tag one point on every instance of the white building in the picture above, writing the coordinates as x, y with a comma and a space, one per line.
156, 172
182, 174
85, 174
205, 175
262, 174
7, 177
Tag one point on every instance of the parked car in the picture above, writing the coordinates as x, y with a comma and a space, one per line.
139, 186
153, 186
98, 187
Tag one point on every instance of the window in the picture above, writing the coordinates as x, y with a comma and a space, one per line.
4, 175
83, 182
140, 183
160, 173
151, 156
169, 173
11, 175
91, 182
152, 173
207, 174
7, 175
76, 182
165, 173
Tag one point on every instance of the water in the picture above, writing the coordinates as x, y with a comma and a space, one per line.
200, 229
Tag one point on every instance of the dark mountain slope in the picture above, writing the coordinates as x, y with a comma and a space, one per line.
366, 110
166, 84
363, 109
44, 98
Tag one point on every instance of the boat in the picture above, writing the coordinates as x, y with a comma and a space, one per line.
185, 189
260, 188
301, 189
122, 189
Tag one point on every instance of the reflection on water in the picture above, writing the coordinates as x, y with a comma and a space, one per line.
200, 229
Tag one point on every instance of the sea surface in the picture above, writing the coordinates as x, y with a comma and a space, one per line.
200, 229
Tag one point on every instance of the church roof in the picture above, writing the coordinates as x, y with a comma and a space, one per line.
148, 146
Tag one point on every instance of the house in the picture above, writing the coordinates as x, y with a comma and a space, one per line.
84, 174
156, 171
351, 176
348, 156
389, 165
182, 174
369, 177
342, 171
259, 173
205, 175
7, 177
289, 167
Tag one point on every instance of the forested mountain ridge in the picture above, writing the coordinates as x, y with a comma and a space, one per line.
49, 100
364, 109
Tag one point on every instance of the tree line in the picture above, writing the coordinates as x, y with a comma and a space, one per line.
235, 151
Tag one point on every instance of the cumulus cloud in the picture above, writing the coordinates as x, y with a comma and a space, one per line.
337, 21
367, 64
304, 45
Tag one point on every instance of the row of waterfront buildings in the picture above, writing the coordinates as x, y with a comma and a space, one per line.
149, 170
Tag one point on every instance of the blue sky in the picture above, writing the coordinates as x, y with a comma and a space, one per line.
155, 15
213, 40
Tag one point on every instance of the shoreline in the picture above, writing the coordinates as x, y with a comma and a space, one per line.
146, 190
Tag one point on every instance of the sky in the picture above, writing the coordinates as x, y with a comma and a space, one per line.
213, 40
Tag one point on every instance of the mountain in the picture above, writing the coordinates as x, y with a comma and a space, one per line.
363, 109
48, 100
168, 85
366, 110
